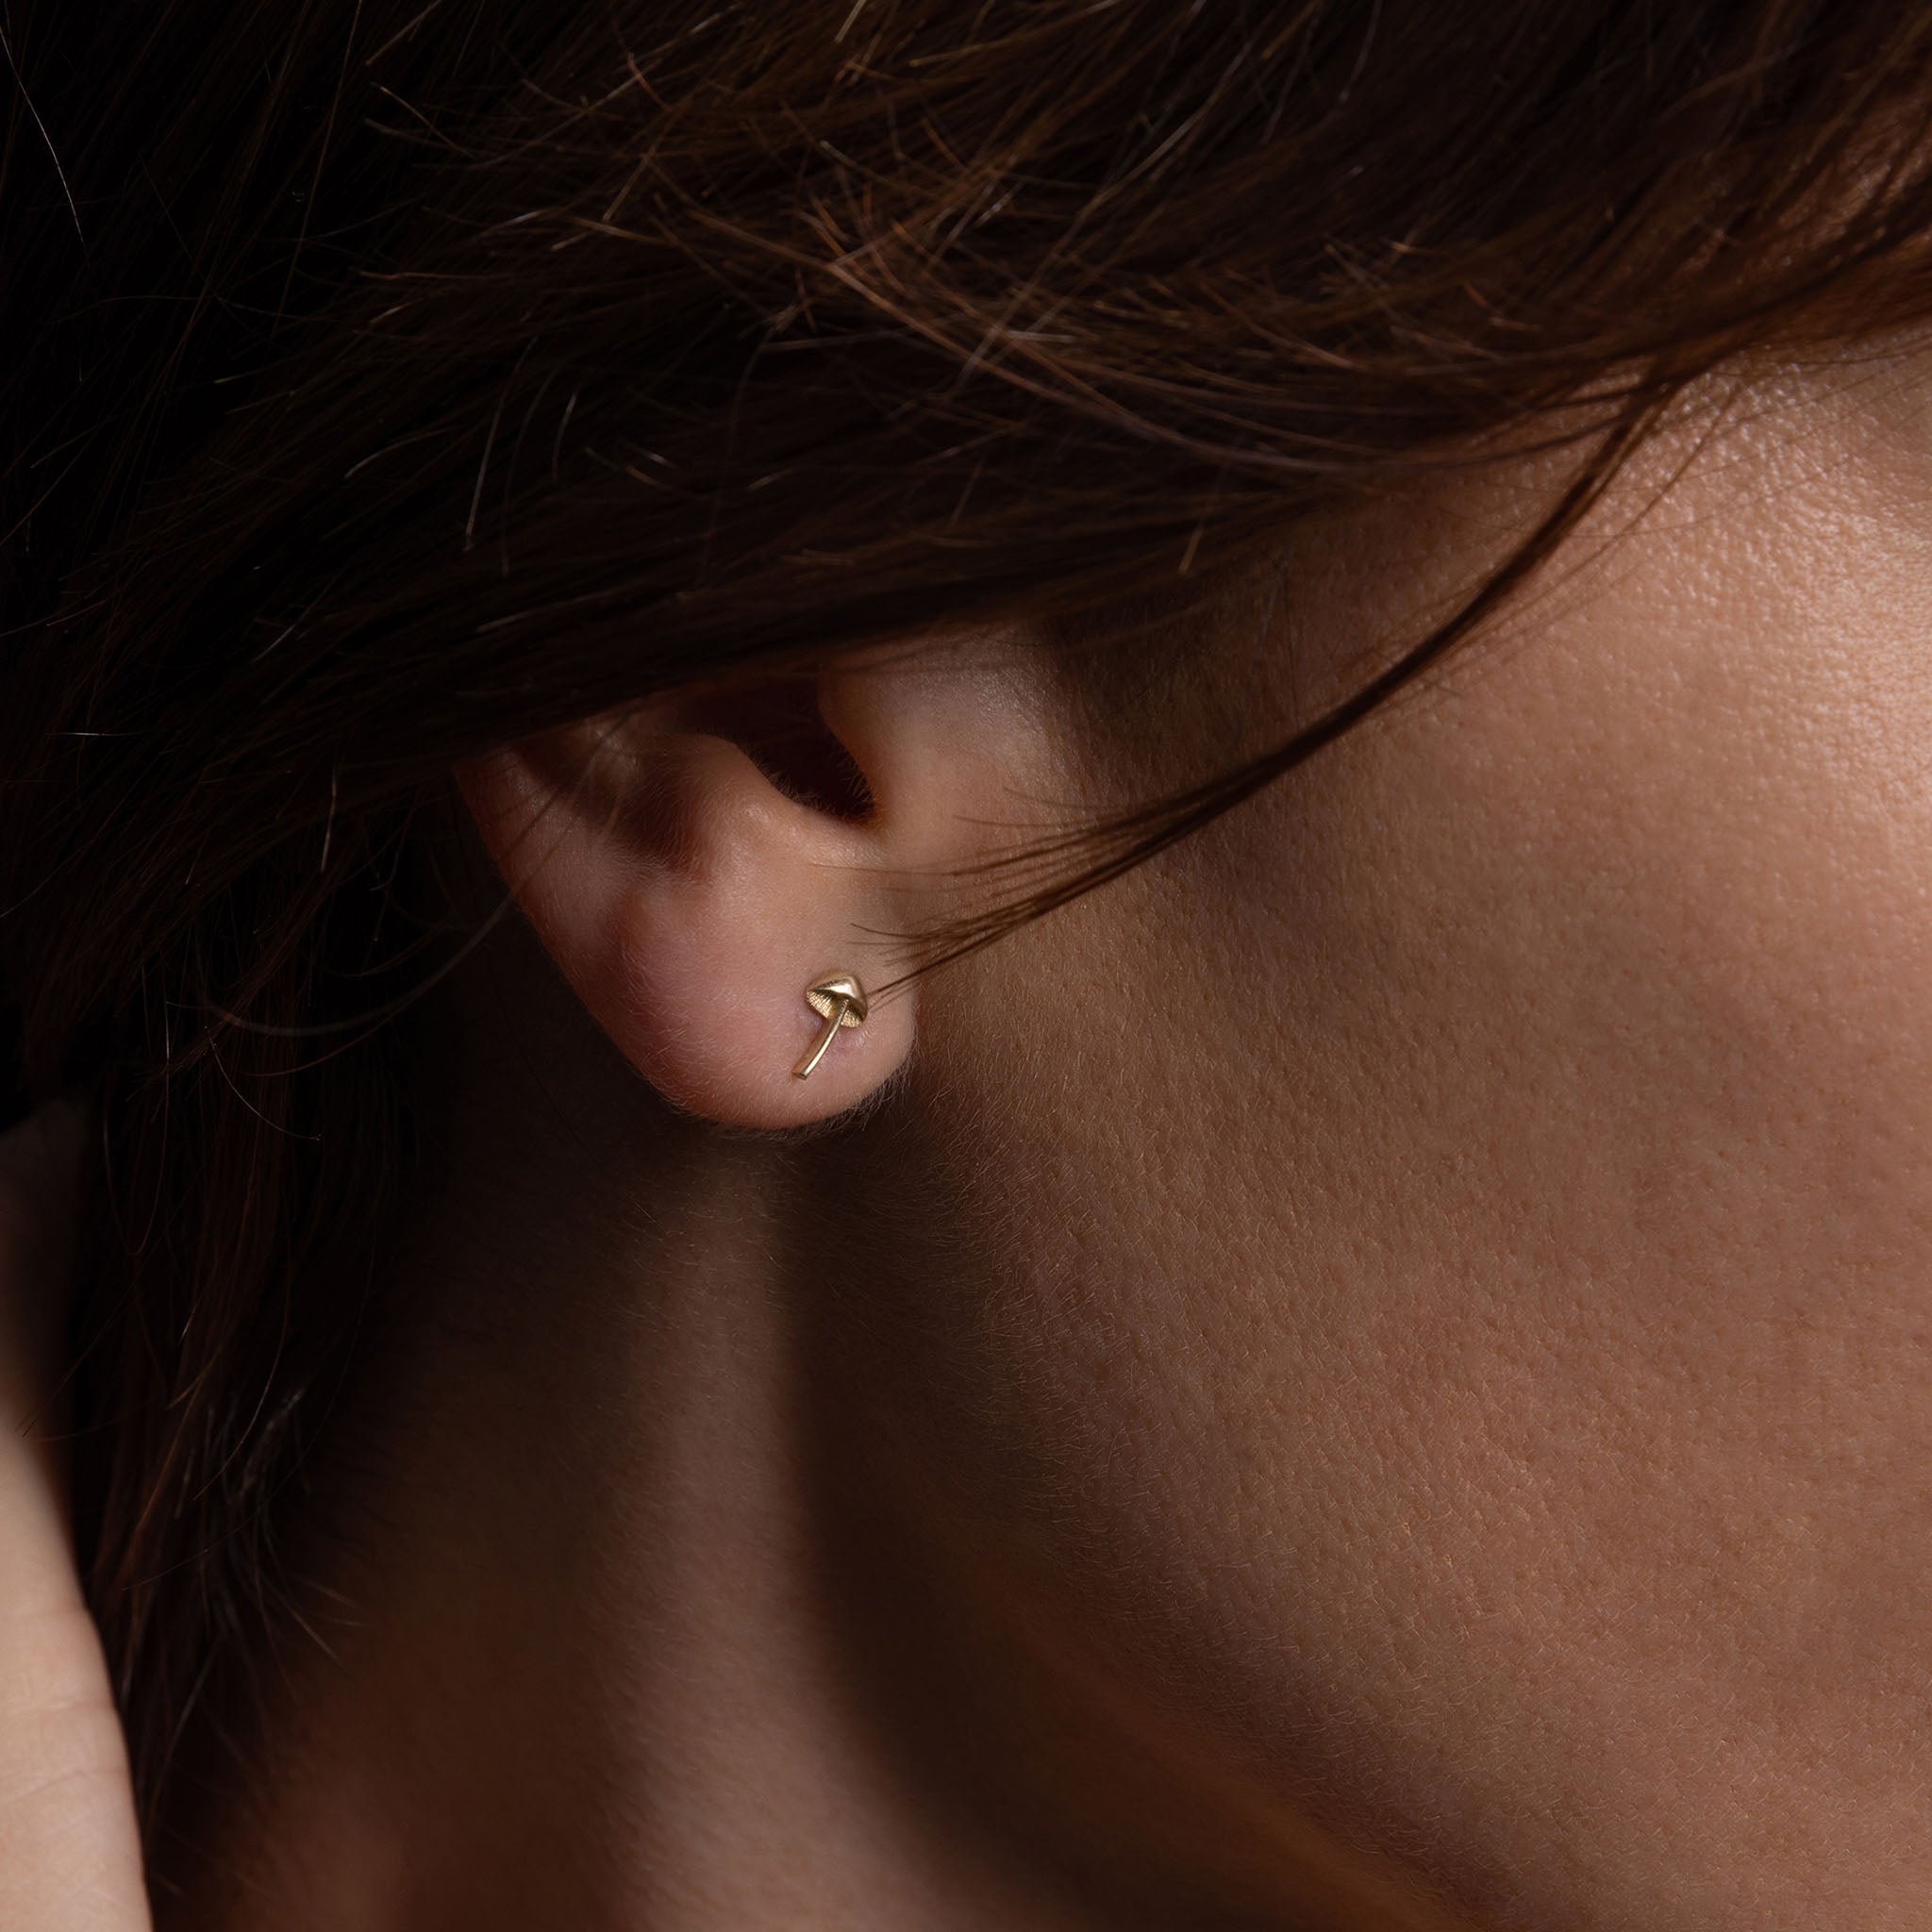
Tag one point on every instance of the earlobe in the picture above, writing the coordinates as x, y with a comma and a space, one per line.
692, 904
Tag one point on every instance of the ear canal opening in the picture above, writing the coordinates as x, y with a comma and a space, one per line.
777, 725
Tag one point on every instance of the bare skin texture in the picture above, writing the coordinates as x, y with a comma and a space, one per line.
1374, 1373
69, 1860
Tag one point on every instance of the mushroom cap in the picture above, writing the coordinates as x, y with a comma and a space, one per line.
823, 996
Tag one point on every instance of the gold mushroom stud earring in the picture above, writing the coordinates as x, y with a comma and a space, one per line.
839, 1000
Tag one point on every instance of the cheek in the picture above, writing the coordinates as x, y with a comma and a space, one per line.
1465, 1284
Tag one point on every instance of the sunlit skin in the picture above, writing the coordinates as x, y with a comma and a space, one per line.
1373, 1373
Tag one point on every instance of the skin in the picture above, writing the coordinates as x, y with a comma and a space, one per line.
1375, 1373
70, 1859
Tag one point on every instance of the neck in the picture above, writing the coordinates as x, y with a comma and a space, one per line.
577, 1663
639, 1604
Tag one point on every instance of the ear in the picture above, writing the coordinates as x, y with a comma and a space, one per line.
695, 866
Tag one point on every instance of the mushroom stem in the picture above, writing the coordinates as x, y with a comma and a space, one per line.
817, 1050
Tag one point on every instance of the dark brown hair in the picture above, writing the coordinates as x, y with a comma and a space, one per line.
384, 380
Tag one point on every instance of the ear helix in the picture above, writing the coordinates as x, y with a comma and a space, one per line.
839, 1000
